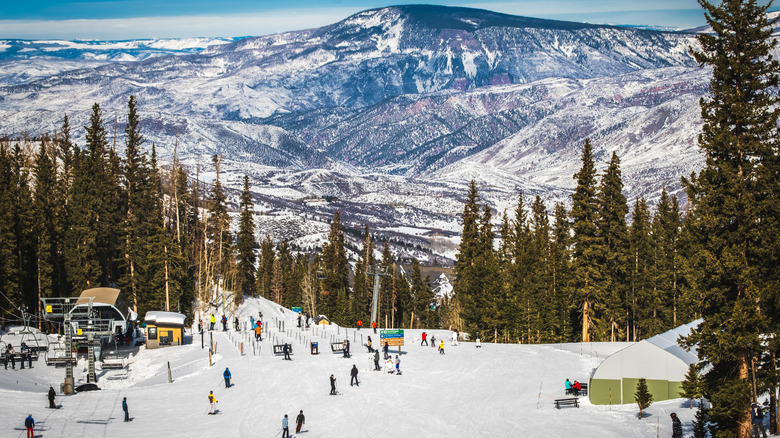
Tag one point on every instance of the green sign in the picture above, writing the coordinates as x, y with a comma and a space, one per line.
393, 337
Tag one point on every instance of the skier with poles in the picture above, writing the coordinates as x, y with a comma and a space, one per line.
300, 420
285, 428
354, 374
213, 403
227, 376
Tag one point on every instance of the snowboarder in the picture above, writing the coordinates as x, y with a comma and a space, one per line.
227, 376
300, 420
376, 360
332, 385
354, 374
52, 394
757, 418
213, 401
441, 347
676, 426
124, 408
224, 323
385, 349
213, 321
285, 428
29, 423
397, 364
424, 339
373, 325
368, 344
286, 351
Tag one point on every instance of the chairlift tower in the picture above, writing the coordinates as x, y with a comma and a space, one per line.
377, 271
56, 309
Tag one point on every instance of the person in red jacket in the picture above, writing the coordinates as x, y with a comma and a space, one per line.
359, 323
576, 388
424, 339
373, 325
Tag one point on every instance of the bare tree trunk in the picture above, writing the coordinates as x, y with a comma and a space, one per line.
585, 321
745, 428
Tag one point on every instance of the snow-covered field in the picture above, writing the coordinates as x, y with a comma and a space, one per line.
497, 390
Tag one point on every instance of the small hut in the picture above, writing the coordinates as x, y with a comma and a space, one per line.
164, 328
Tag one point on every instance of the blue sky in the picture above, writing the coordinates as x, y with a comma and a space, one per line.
131, 19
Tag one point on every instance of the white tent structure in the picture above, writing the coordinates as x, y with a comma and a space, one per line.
660, 360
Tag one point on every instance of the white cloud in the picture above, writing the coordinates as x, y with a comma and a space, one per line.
173, 27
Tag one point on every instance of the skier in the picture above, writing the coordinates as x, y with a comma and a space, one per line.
213, 401
213, 321
757, 418
251, 321
285, 429
373, 325
24, 350
224, 323
359, 323
51, 395
433, 341
385, 350
332, 385
376, 360
397, 364
346, 348
676, 426
441, 347
258, 331
354, 374
9, 355
299, 320
227, 376
29, 423
368, 344
300, 420
124, 408
455, 338
424, 339
286, 351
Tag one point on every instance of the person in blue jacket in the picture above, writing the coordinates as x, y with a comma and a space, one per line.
285, 428
29, 423
226, 374
568, 387
124, 408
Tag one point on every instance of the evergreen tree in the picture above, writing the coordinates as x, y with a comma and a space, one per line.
732, 197
46, 210
541, 273
586, 280
613, 233
218, 226
700, 422
642, 396
422, 295
8, 277
666, 226
646, 303
336, 268
560, 274
691, 386
522, 304
245, 243
266, 268
386, 311
467, 282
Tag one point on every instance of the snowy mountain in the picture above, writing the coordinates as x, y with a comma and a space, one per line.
386, 104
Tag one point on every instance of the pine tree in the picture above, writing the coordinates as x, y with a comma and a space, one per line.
245, 243
7, 238
700, 426
646, 303
541, 273
560, 274
266, 268
642, 396
666, 226
24, 251
336, 268
613, 233
387, 309
691, 386
46, 210
586, 281
467, 283
522, 303
732, 196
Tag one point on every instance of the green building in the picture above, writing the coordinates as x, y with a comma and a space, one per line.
659, 359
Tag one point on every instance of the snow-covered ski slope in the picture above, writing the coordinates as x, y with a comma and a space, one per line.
499, 390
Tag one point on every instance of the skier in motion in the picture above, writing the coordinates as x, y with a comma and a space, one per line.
213, 403
227, 376
300, 420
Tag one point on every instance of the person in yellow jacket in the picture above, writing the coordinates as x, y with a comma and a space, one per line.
213, 321
213, 401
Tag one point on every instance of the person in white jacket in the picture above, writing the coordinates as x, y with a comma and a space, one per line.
455, 338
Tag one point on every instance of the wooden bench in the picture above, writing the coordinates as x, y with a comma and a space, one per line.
574, 401
279, 349
583, 391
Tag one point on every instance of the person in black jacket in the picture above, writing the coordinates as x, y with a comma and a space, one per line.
300, 420
332, 385
124, 408
286, 351
376, 361
676, 426
52, 394
354, 374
